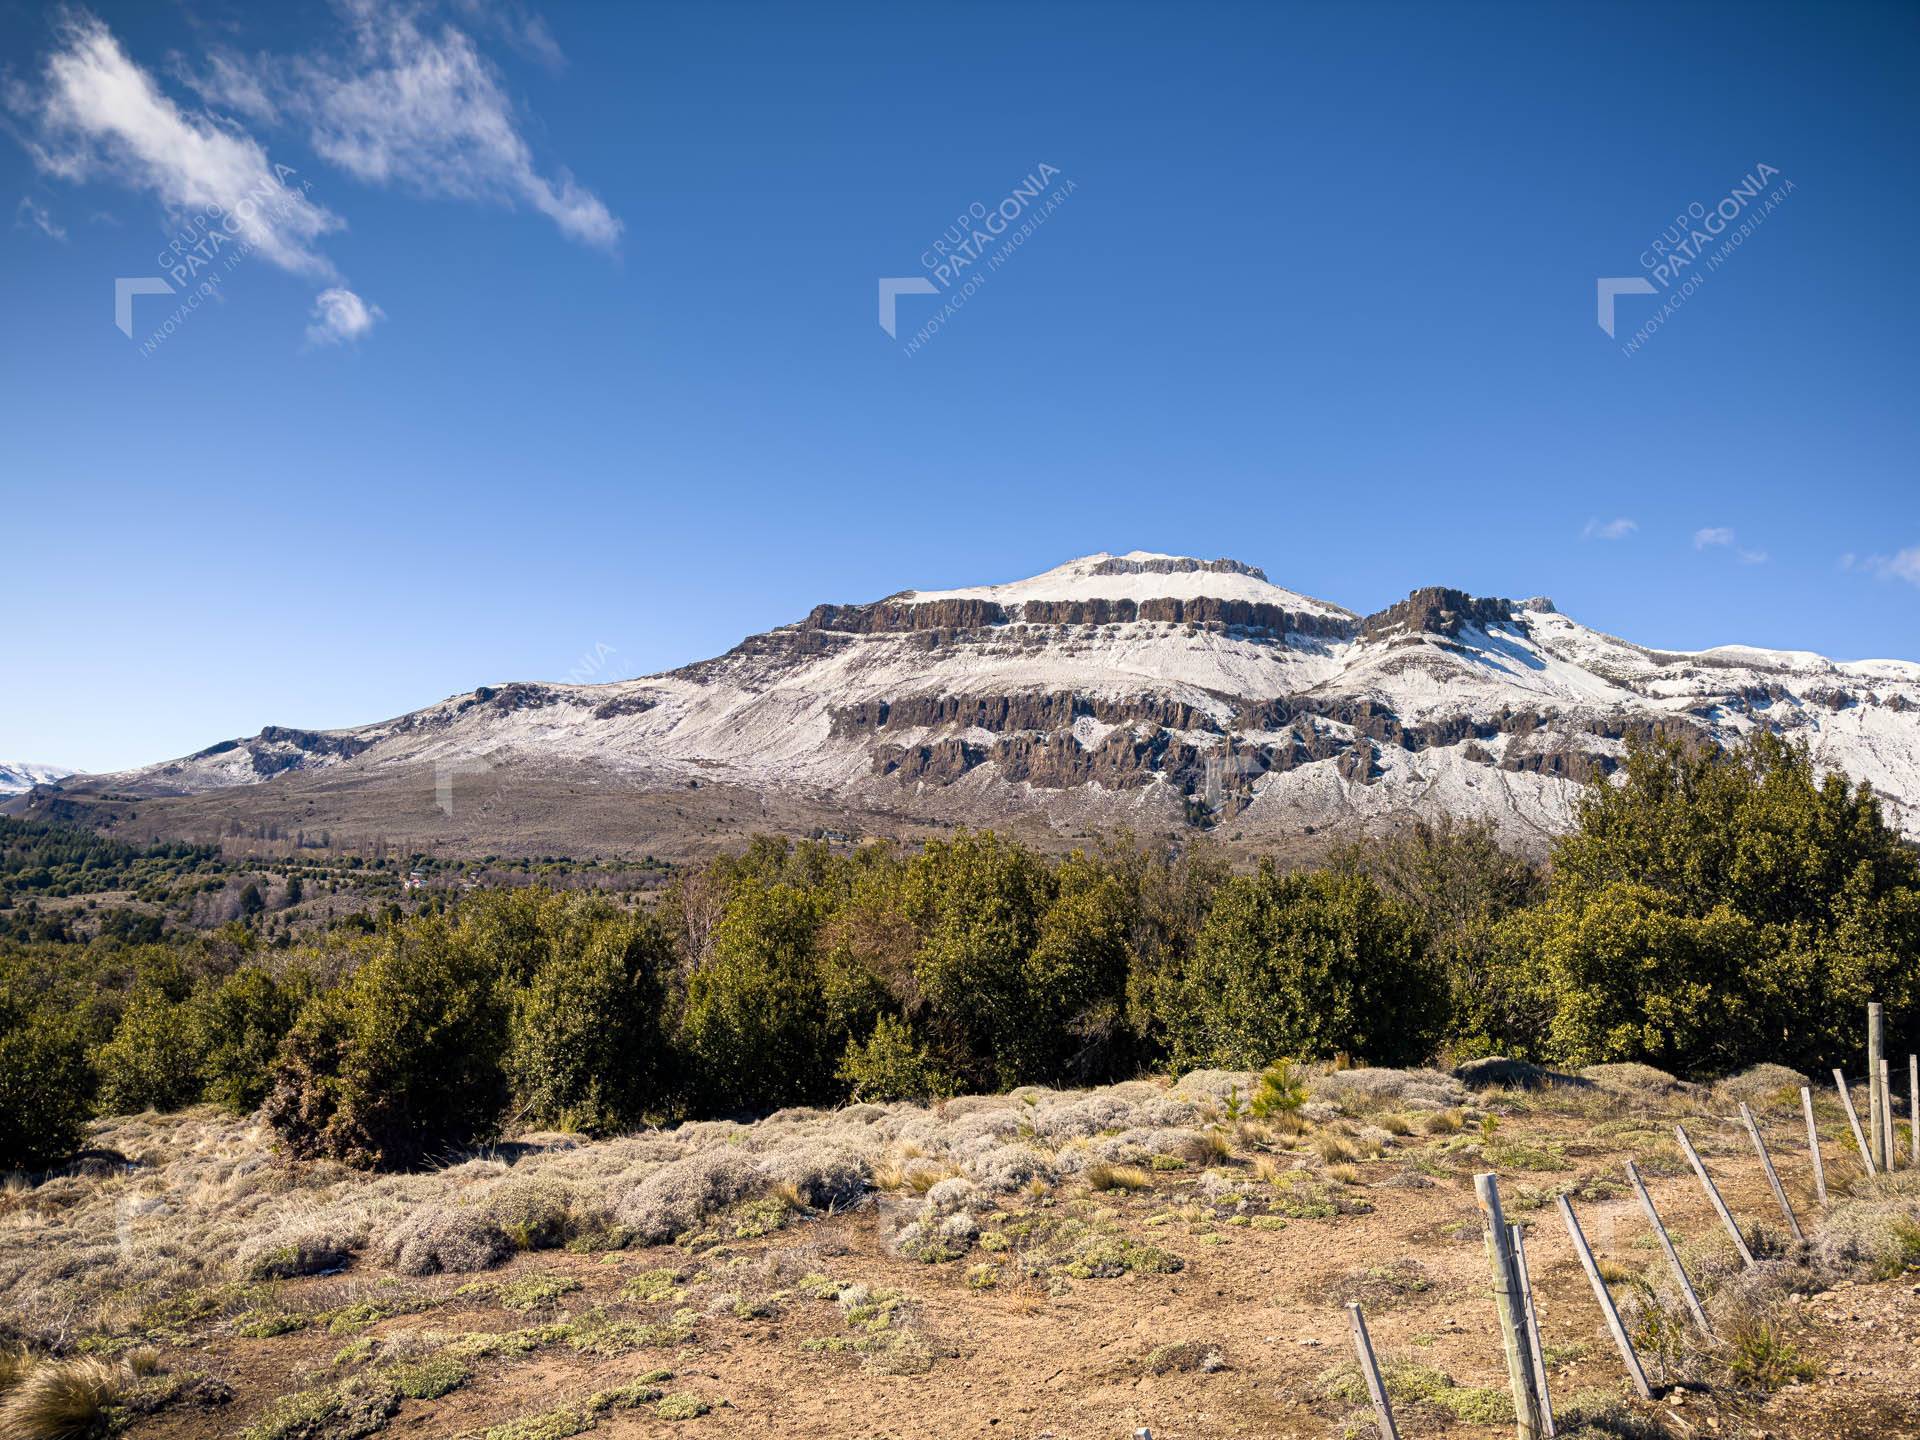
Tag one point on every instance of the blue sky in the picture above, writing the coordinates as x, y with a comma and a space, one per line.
558, 354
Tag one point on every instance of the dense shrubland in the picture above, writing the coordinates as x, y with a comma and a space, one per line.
1713, 911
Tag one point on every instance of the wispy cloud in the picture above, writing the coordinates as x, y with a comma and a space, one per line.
1719, 537
1618, 529
404, 99
416, 105
341, 317
97, 115
30, 214
1902, 565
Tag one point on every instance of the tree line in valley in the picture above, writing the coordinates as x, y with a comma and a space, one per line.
1713, 910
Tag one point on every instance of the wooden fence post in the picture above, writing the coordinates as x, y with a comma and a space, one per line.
1370, 1372
1533, 1329
1886, 1113
1913, 1106
1813, 1145
1666, 1246
1513, 1325
1773, 1180
1605, 1297
1876, 1051
1713, 1194
1853, 1119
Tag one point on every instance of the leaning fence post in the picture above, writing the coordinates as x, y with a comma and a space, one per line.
1370, 1372
1533, 1328
1666, 1245
1876, 1050
1853, 1119
1601, 1294
1513, 1325
1713, 1194
1813, 1145
1766, 1164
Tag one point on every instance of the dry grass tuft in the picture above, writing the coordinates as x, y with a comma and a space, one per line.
62, 1400
1118, 1177
1335, 1149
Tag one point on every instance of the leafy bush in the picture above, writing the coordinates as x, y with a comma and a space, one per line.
585, 1050
889, 1065
756, 1026
45, 1082
1309, 965
401, 1062
153, 1060
241, 1023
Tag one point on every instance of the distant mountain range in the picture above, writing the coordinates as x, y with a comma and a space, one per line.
17, 776
1160, 692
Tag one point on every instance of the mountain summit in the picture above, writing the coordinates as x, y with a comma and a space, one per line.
1162, 692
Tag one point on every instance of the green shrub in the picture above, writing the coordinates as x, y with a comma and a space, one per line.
401, 1062
153, 1061
45, 1083
1281, 1091
756, 1025
888, 1065
585, 1050
242, 1022
1310, 965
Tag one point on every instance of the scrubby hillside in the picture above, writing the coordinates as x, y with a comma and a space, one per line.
1172, 1254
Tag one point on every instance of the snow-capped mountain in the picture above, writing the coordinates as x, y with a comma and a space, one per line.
17, 776
1155, 691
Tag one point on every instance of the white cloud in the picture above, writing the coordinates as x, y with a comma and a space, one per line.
234, 82
31, 214
341, 317
99, 115
1609, 529
1903, 565
422, 108
1722, 538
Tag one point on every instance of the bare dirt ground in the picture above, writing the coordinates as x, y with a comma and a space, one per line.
1042, 1264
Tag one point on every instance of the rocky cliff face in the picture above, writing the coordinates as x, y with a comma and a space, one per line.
1152, 690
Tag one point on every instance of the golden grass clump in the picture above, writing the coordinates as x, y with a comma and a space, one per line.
1118, 1177
61, 1399
1335, 1149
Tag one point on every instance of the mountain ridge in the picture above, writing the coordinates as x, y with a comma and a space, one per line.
1157, 691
